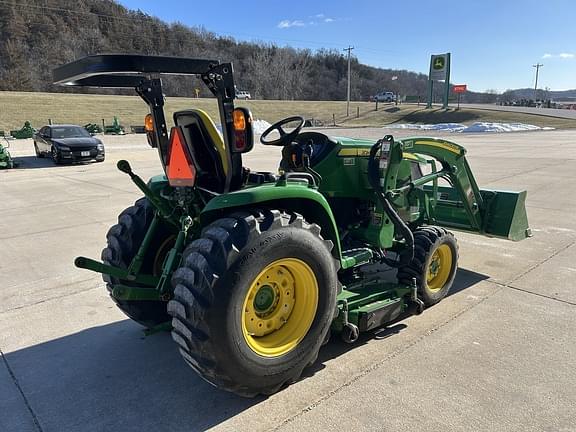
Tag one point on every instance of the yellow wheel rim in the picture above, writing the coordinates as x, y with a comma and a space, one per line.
439, 268
279, 307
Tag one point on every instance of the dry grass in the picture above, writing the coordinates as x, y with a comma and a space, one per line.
419, 114
16, 107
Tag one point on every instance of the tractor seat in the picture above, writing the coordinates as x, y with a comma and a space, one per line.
322, 145
206, 147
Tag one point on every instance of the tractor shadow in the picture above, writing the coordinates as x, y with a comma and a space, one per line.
465, 279
114, 378
336, 347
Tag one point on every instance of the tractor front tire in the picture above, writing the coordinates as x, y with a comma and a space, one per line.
434, 265
124, 240
254, 299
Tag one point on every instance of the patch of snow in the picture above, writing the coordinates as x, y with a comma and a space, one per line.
448, 127
500, 127
473, 128
259, 126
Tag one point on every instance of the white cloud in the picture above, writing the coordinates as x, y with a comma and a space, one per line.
312, 21
560, 56
287, 24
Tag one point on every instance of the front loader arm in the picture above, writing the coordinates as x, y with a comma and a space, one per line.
464, 205
456, 168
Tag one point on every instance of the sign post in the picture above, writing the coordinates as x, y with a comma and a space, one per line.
459, 89
439, 71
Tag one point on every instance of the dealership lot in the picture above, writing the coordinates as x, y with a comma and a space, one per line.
497, 354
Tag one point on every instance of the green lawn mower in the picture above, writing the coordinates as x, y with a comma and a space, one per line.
6, 160
255, 270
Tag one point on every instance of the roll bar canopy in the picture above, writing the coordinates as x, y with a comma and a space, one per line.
142, 72
126, 70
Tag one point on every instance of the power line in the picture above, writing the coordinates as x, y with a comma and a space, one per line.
374, 51
37, 10
76, 12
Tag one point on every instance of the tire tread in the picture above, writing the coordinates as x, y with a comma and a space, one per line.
204, 260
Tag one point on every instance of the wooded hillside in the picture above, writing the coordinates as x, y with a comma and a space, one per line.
37, 35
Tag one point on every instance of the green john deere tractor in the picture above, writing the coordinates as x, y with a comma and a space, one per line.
6, 160
256, 269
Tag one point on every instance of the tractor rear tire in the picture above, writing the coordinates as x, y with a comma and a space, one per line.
434, 265
124, 239
254, 299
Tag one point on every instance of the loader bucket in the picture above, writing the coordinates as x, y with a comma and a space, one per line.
504, 213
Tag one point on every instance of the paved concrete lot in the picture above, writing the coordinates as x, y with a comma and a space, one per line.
499, 354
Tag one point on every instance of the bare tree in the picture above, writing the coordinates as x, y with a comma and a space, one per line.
38, 35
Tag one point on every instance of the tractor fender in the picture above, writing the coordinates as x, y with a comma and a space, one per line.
292, 196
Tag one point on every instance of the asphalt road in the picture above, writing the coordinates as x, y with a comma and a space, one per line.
547, 112
498, 354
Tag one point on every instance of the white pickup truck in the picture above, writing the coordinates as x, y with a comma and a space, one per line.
384, 96
242, 94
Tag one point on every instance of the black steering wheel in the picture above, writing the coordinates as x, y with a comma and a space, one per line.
286, 138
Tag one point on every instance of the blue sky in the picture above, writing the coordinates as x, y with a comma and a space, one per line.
493, 43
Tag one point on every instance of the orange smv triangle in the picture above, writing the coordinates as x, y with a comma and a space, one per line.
180, 170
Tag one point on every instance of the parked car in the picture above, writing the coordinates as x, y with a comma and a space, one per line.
384, 96
242, 94
67, 143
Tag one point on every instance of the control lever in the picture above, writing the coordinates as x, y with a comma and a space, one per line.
306, 155
308, 149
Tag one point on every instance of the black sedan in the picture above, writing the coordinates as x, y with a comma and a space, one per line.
67, 143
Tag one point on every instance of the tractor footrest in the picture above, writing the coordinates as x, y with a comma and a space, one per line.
356, 257
379, 313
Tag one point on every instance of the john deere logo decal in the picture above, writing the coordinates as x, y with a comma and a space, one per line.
439, 63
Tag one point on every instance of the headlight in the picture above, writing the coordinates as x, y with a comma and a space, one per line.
64, 148
100, 147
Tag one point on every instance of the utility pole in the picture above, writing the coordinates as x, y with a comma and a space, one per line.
349, 49
537, 66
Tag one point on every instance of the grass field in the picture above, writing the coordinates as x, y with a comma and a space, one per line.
16, 107
415, 114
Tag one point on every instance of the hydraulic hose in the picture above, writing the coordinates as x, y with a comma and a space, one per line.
406, 255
